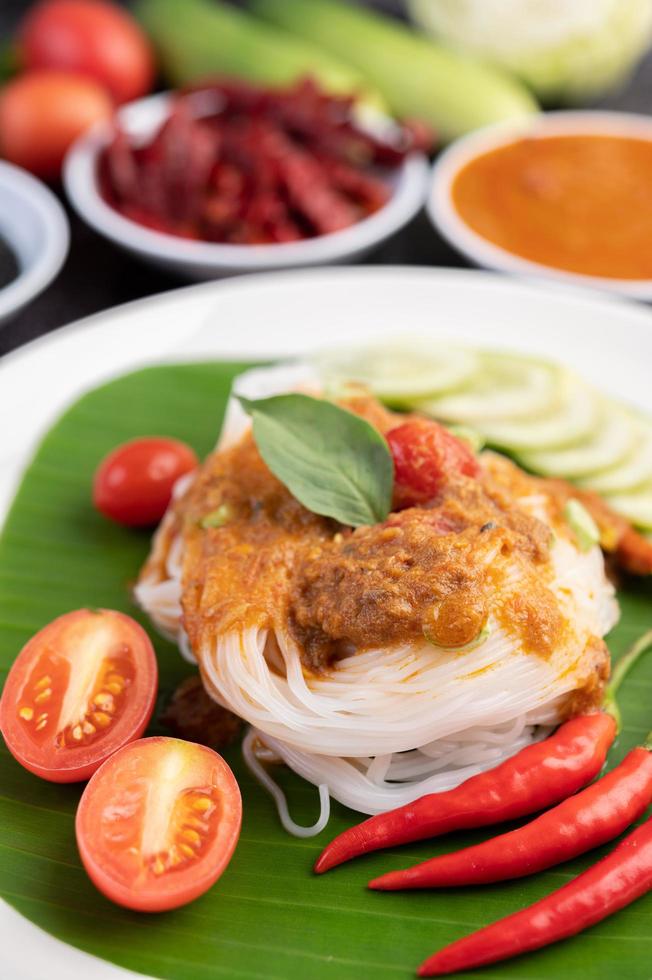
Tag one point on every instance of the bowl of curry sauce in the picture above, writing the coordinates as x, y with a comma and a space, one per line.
566, 195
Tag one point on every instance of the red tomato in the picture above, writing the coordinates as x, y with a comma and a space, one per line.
93, 38
80, 689
133, 484
158, 823
42, 113
424, 452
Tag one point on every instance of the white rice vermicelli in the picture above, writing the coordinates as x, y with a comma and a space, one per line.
383, 726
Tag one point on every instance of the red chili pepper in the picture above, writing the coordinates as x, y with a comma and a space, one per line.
582, 822
535, 778
611, 884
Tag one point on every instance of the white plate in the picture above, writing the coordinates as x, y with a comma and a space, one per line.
210, 260
608, 340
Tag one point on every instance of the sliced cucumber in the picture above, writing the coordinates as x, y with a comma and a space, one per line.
400, 373
506, 386
612, 442
635, 506
572, 421
632, 472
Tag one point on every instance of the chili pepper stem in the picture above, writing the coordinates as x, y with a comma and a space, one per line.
620, 671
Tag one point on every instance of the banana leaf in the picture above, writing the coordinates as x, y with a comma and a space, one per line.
268, 916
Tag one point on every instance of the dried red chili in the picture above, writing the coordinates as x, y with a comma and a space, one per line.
244, 164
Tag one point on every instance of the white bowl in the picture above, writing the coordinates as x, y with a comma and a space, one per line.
482, 252
35, 227
207, 260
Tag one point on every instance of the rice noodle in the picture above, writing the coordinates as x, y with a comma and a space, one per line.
384, 726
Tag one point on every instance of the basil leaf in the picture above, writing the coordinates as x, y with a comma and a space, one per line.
334, 462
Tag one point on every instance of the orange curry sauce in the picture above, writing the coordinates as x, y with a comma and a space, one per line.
582, 203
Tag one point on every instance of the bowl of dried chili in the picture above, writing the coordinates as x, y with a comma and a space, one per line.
229, 178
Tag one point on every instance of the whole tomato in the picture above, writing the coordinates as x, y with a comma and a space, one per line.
133, 485
95, 38
42, 113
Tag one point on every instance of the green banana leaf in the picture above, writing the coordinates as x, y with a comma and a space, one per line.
268, 916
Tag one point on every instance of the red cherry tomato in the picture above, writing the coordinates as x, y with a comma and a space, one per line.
158, 823
42, 113
133, 484
424, 452
93, 38
80, 689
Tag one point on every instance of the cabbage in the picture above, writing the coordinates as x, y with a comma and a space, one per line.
567, 50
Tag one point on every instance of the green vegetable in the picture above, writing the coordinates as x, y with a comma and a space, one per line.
195, 39
419, 78
569, 51
635, 506
334, 462
218, 517
400, 371
582, 524
474, 440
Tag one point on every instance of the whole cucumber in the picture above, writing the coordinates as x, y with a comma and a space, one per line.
195, 39
418, 77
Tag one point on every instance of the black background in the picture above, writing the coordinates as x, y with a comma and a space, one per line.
96, 275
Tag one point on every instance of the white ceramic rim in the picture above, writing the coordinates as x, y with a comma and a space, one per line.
33, 278
141, 117
446, 218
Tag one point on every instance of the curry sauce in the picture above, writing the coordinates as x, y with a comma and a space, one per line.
433, 572
582, 203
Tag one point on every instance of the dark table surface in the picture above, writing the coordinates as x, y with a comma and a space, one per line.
97, 276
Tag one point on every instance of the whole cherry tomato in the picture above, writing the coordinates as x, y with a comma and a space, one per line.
42, 113
94, 38
133, 484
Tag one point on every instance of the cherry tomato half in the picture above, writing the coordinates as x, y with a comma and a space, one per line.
424, 452
133, 484
94, 38
79, 689
158, 823
42, 113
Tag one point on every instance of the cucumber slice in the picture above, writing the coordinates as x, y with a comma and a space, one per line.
506, 386
574, 420
635, 506
632, 472
610, 444
400, 373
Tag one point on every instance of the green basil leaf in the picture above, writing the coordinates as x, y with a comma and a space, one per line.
334, 462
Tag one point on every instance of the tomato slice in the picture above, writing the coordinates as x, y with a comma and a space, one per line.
158, 823
133, 484
79, 689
